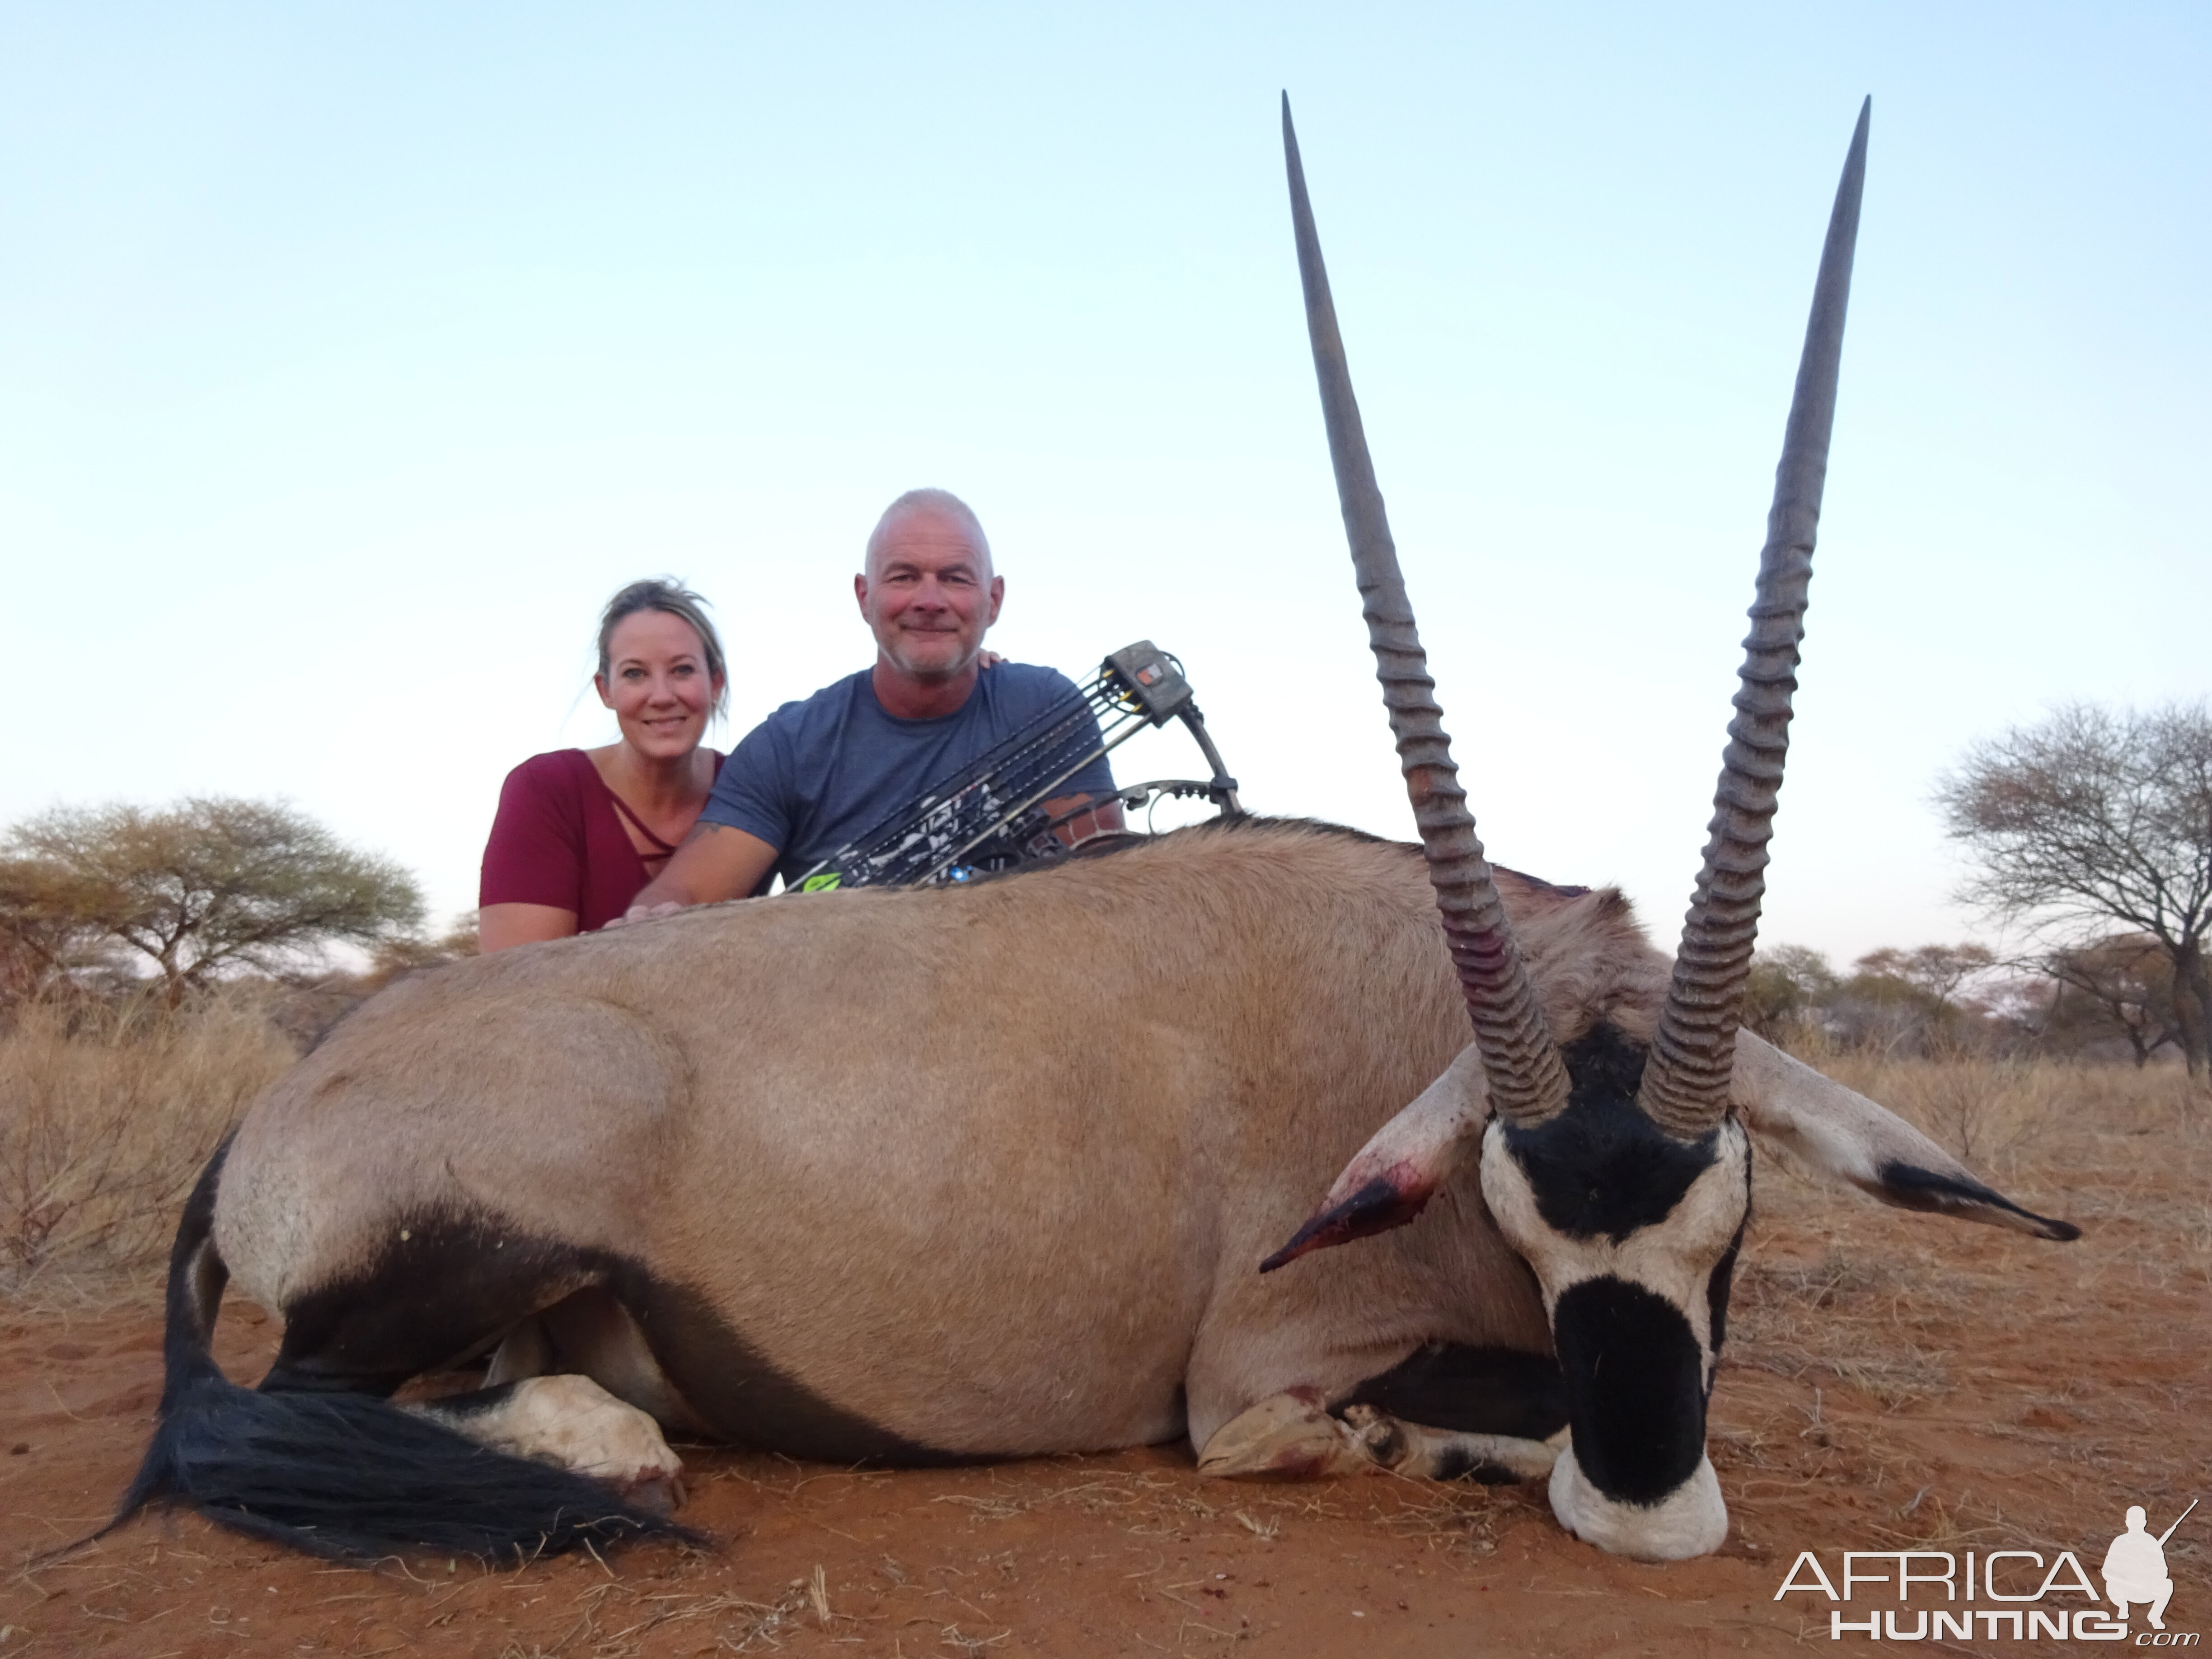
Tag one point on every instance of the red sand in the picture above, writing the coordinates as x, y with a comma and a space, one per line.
1892, 1381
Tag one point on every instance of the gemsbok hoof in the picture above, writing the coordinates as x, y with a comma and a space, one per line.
655, 1493
574, 1422
1286, 1437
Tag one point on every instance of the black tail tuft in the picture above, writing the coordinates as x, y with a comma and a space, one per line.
348, 1476
351, 1477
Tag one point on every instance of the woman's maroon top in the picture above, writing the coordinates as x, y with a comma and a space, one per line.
559, 840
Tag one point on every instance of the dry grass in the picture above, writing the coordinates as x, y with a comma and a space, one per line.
1886, 1332
2125, 1153
2005, 1114
107, 1112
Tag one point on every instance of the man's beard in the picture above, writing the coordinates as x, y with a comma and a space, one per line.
932, 673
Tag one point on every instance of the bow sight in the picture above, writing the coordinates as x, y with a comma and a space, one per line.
990, 815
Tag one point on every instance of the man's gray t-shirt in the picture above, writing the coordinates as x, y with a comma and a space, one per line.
819, 774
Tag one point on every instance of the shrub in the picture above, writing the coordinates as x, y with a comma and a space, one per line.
108, 1111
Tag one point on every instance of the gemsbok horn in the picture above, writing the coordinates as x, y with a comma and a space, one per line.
1685, 1078
1527, 1085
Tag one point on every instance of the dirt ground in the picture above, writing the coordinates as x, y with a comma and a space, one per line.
1890, 1381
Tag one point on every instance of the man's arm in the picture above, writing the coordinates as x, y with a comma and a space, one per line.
715, 862
1083, 825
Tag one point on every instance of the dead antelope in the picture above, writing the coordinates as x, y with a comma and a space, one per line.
948, 1174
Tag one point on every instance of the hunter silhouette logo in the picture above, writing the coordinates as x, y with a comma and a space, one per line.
2134, 1566
2034, 1598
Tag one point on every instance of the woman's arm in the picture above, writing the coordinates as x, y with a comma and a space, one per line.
533, 860
499, 926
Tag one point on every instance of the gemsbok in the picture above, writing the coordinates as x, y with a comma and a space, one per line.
945, 1174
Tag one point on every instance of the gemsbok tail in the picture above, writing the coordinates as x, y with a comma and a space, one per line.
348, 1476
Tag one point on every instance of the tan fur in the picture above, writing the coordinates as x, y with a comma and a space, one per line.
990, 1168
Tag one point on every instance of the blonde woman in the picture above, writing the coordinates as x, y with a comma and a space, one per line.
579, 831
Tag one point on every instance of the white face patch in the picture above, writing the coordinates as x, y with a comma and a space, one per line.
1669, 1259
1691, 1521
1672, 1258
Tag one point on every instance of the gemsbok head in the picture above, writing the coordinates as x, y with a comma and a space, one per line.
1614, 1164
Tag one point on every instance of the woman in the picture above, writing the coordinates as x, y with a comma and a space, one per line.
581, 831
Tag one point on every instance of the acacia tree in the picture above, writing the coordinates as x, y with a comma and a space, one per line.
205, 887
2119, 986
1790, 988
44, 939
1937, 972
1911, 1000
2092, 817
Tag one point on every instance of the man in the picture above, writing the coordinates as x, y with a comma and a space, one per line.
2135, 1569
819, 773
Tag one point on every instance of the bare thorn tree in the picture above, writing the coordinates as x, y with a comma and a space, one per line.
203, 888
2121, 986
2094, 818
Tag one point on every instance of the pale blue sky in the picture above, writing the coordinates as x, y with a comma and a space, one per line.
350, 356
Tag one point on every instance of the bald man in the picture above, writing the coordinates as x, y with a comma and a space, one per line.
818, 774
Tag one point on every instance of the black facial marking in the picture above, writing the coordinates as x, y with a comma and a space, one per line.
1635, 1386
1717, 1284
1912, 1188
1601, 1166
455, 1284
1448, 1385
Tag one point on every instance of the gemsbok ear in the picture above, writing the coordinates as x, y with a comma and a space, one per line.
1402, 1164
1816, 1125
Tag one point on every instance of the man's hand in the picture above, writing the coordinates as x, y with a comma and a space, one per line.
715, 862
642, 913
1079, 829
